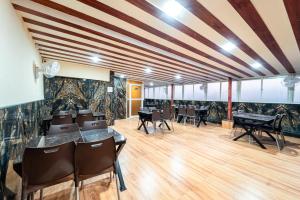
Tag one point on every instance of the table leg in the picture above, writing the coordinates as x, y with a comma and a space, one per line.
167, 125
143, 124
120, 176
271, 136
257, 141
179, 119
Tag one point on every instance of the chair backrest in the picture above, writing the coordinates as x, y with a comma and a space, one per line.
82, 117
101, 156
167, 114
181, 110
277, 124
190, 111
90, 125
63, 128
46, 166
62, 119
62, 112
156, 115
86, 111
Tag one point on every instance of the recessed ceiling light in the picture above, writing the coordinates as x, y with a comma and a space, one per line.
122, 76
178, 76
151, 83
256, 65
148, 70
228, 46
95, 59
172, 8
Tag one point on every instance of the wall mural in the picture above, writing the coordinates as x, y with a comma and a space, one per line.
63, 93
218, 111
19, 124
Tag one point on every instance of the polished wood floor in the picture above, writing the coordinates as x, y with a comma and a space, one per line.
194, 163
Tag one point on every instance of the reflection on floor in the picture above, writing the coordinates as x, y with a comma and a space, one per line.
193, 163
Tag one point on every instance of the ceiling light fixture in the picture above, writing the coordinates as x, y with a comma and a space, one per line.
148, 70
256, 65
122, 76
178, 76
151, 83
172, 8
228, 46
95, 59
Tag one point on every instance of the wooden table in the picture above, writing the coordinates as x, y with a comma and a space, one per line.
250, 122
86, 136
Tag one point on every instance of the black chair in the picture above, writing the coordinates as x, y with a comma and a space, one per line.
102, 157
44, 167
90, 125
275, 128
63, 128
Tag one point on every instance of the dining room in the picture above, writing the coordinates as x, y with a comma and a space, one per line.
149, 99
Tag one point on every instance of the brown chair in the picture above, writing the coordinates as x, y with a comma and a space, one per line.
63, 128
191, 114
90, 125
44, 167
82, 117
62, 119
167, 116
101, 159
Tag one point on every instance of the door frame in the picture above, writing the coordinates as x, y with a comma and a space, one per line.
129, 99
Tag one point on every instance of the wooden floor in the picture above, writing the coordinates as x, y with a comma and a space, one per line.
194, 163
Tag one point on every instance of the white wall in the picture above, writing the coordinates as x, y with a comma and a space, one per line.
74, 70
17, 55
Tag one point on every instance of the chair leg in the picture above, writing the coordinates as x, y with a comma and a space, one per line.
277, 142
41, 194
172, 125
81, 186
77, 193
117, 186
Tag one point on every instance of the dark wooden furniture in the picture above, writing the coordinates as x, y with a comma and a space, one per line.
251, 122
46, 166
90, 125
101, 159
63, 128
62, 119
83, 136
82, 117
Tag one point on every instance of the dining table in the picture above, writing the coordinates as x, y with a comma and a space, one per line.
201, 114
146, 116
250, 122
85, 136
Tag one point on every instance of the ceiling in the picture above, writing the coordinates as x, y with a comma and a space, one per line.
132, 35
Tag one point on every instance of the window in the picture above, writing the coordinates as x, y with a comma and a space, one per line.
146, 95
224, 91
199, 92
251, 90
213, 91
297, 93
169, 92
273, 91
151, 93
188, 92
156, 93
178, 92
163, 92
